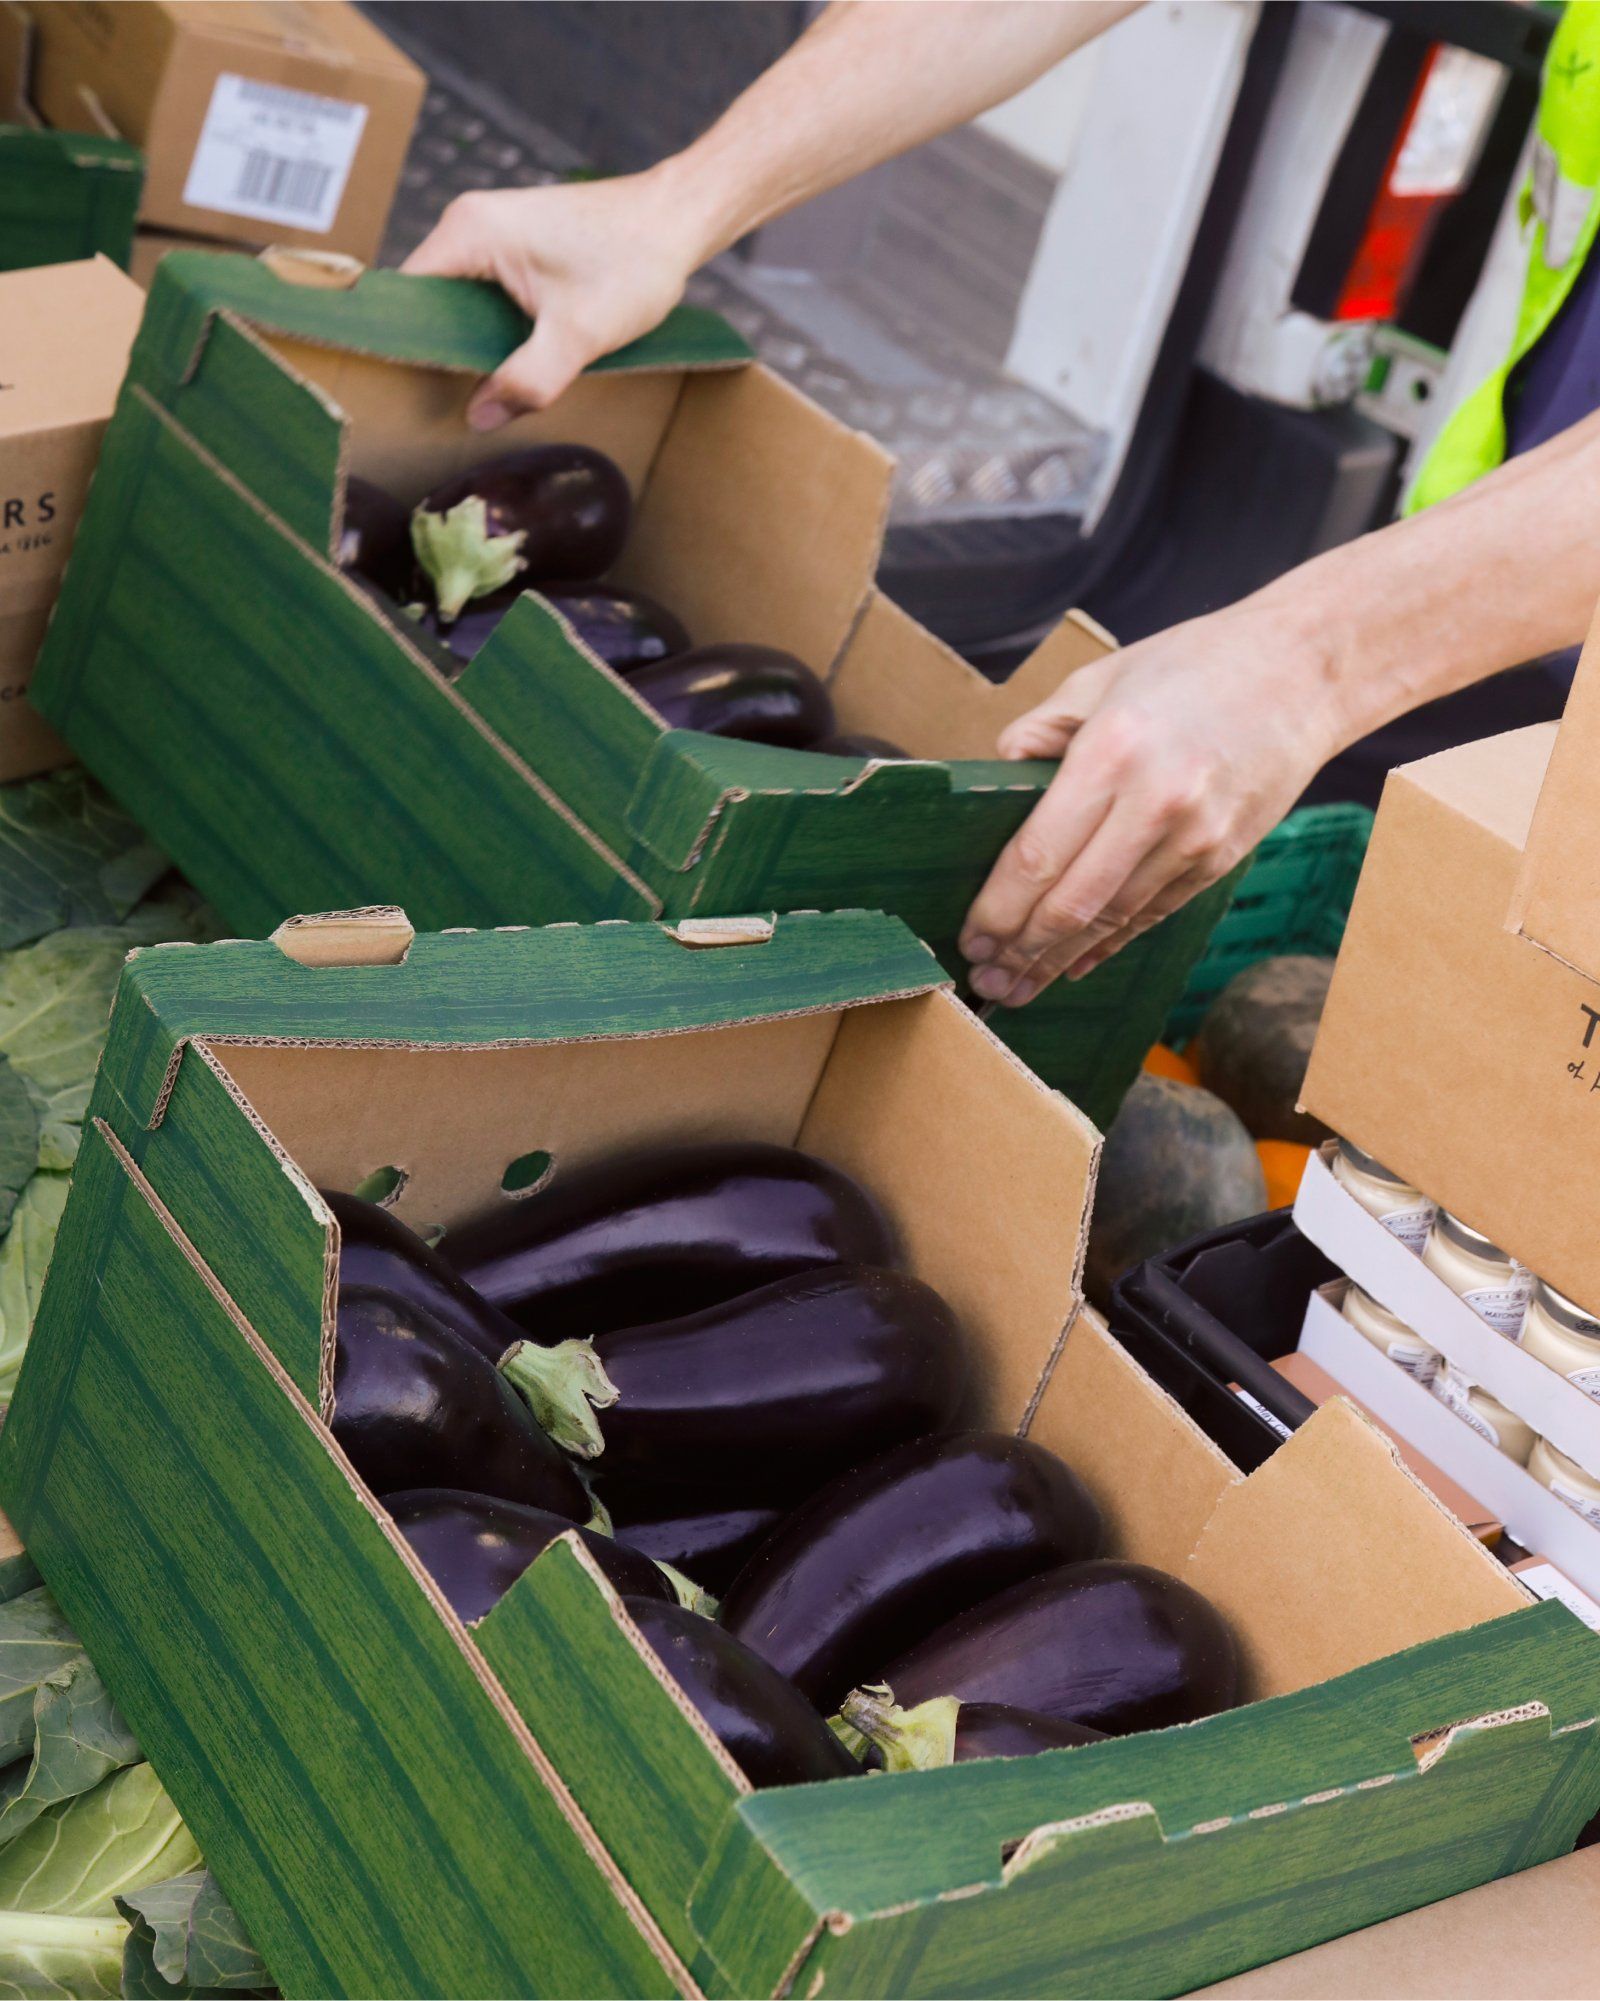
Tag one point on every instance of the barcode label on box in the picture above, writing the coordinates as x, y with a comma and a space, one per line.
274, 155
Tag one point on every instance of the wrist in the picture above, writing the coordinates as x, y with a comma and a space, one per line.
1304, 623
694, 209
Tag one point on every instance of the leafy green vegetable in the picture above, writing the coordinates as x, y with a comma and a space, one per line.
76, 1959
24, 1255
55, 1006
187, 1939
67, 856
76, 1858
35, 1643
79, 1738
19, 1138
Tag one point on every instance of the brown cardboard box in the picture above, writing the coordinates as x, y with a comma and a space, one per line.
262, 121
1533, 1934
1461, 1038
1314, 1382
65, 332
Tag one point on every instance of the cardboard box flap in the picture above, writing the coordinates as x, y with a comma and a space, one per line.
1554, 904
1333, 1518
495, 988
896, 680
903, 1841
443, 323
687, 781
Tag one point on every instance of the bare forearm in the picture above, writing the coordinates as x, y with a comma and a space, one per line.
1507, 570
868, 80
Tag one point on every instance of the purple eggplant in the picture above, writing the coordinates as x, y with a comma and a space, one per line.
414, 1405
550, 513
706, 1538
663, 1232
376, 1250
375, 538
475, 1549
762, 1721
625, 629
1117, 1646
889, 1551
466, 636
763, 1397
756, 693
851, 745
947, 1732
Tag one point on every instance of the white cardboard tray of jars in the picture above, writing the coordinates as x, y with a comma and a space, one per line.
1536, 1517
1397, 1278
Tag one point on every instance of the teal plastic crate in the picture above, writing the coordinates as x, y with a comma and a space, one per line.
1294, 897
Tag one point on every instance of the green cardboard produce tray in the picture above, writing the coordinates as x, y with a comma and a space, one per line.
64, 196
293, 748
400, 1805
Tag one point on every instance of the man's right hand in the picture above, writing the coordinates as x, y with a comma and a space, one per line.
594, 264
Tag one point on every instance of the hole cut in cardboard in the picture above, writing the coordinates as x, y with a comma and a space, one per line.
528, 1173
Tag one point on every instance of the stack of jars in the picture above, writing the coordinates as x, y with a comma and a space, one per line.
1503, 1293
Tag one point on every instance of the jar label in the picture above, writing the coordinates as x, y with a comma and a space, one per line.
1581, 1504
1588, 1380
1411, 1225
1416, 1361
1505, 1307
1454, 1391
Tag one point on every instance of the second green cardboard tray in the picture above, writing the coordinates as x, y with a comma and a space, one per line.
400, 1805
291, 746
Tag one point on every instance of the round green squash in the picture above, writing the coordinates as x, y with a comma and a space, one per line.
1255, 1043
1177, 1161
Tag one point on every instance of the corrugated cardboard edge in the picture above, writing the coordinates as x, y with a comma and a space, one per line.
634, 1908
1044, 1840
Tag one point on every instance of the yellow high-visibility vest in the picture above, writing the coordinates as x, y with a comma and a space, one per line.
1562, 203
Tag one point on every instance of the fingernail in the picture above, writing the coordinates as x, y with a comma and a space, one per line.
979, 948
488, 416
993, 982
1022, 993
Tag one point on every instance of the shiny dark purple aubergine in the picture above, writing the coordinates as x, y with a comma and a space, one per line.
375, 538
755, 693
550, 513
665, 1231
763, 1722
475, 1548
415, 1405
625, 629
763, 1397
890, 1550
377, 1250
707, 1537
1117, 1646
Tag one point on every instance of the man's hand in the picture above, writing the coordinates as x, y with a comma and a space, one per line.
594, 265
1177, 756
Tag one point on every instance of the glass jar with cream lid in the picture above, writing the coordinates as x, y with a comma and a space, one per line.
1405, 1212
1487, 1415
1386, 1331
1493, 1284
1564, 1337
1567, 1480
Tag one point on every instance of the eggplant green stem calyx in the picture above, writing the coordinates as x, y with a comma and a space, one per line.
461, 557
563, 1386
911, 1740
690, 1595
